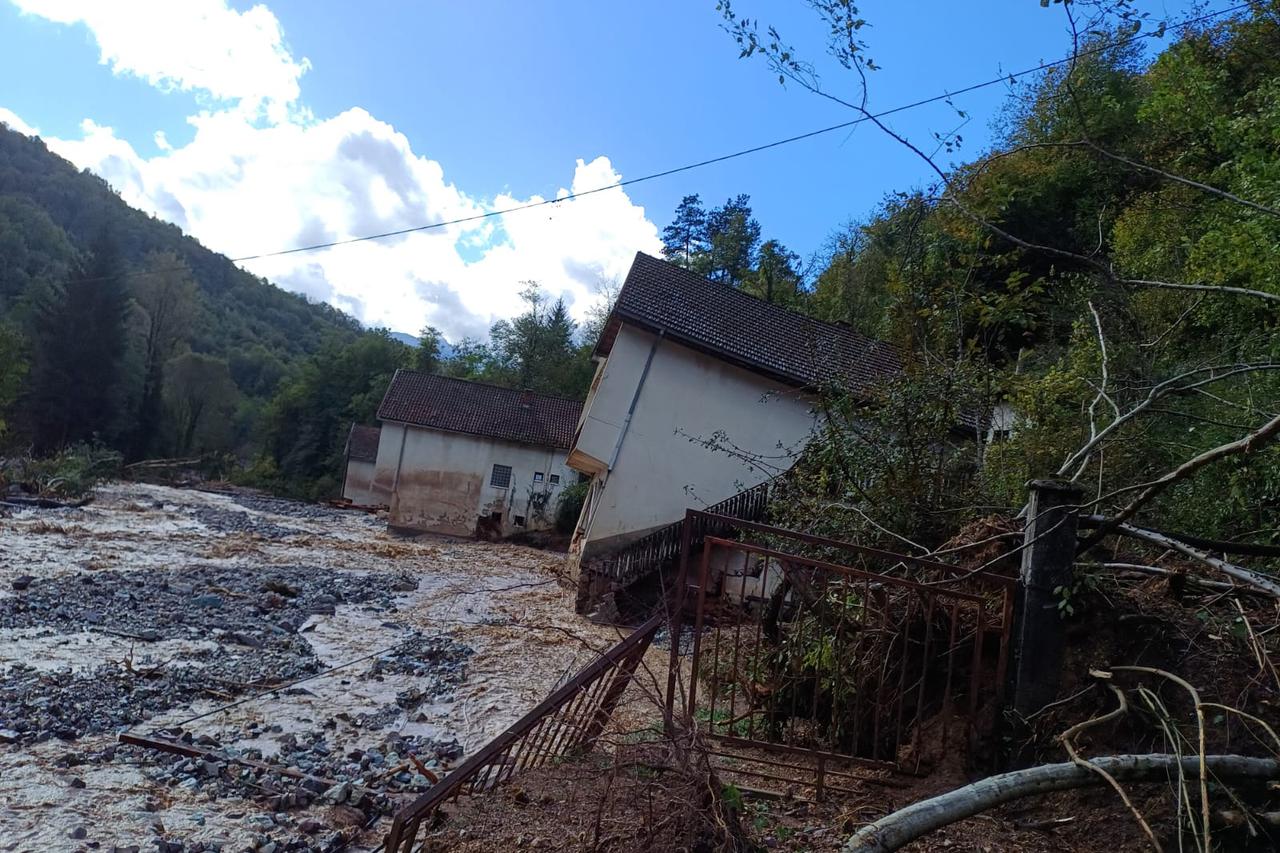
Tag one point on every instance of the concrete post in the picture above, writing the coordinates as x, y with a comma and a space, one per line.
1048, 555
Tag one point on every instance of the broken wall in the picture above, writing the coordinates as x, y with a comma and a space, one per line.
358, 486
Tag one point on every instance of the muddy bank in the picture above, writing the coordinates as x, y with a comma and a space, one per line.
152, 608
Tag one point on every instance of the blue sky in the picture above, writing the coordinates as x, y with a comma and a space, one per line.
336, 117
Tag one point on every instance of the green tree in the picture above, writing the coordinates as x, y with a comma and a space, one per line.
165, 294
257, 371
776, 277
427, 355
471, 360
201, 398
308, 419
33, 251
78, 343
684, 241
536, 349
13, 367
733, 241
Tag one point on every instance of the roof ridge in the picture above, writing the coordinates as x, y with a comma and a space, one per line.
761, 336
492, 385
773, 306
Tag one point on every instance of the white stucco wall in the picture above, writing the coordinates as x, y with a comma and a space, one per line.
662, 466
357, 486
444, 481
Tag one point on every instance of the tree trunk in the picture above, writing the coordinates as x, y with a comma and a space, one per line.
906, 825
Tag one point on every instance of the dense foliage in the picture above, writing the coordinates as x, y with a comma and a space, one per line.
1110, 271
724, 244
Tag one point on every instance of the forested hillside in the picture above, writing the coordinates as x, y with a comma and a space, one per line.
1110, 270
117, 329
49, 211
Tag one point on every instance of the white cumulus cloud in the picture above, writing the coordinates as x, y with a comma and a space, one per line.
254, 181
191, 45
14, 122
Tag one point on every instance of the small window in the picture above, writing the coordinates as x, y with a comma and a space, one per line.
501, 476
555, 479
537, 476
519, 520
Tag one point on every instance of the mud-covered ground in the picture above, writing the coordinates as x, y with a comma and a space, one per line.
152, 609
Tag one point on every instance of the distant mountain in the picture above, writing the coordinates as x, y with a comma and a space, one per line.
49, 211
446, 348
406, 338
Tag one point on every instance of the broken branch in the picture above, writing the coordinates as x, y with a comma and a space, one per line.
1257, 581
918, 819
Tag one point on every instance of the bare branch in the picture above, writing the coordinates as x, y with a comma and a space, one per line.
1259, 438
1159, 390
1208, 288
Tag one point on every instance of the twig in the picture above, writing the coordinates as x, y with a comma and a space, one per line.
1200, 727
1119, 711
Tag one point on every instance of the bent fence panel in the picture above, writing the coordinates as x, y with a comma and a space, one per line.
876, 659
565, 723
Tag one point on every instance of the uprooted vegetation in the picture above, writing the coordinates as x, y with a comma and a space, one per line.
68, 475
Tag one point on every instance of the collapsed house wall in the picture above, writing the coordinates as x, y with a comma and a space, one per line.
358, 487
460, 485
681, 428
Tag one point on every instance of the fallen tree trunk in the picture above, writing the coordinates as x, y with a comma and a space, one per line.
1253, 579
918, 819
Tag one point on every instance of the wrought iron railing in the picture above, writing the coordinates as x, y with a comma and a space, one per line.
660, 548
566, 723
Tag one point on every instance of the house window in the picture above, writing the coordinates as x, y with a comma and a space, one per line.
501, 477
555, 479
537, 476
519, 520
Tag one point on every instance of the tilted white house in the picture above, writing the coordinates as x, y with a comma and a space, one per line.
362, 457
700, 391
466, 458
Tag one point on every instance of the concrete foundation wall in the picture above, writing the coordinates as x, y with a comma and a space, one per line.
443, 484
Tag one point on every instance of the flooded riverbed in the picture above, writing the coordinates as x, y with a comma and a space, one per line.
153, 609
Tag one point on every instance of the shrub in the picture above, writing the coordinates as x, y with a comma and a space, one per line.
69, 474
569, 507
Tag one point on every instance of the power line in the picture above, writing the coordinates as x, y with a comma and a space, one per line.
946, 96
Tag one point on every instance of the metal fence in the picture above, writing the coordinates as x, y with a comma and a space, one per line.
655, 550
808, 652
566, 723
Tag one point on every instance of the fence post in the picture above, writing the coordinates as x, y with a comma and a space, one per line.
675, 622
1048, 555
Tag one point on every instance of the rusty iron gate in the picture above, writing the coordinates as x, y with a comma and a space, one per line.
809, 654
566, 723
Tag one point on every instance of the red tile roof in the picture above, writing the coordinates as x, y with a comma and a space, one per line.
455, 405
743, 330
362, 443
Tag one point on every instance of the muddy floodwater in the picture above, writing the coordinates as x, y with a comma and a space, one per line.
159, 611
